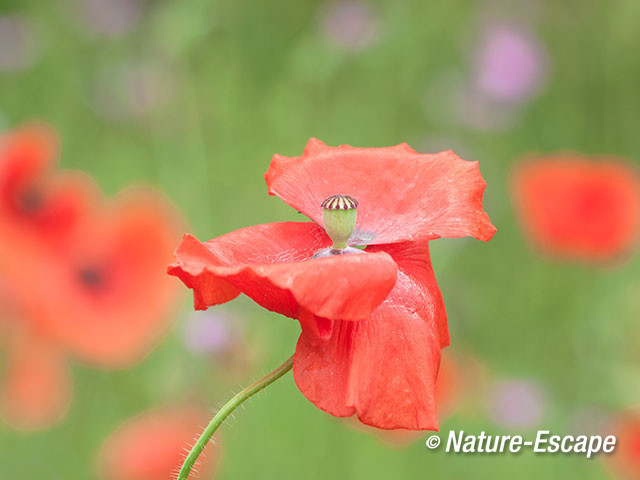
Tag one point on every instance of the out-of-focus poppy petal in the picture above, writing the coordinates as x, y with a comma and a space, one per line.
111, 297
25, 153
58, 211
577, 208
272, 265
403, 195
625, 459
36, 390
383, 368
36, 205
448, 385
153, 446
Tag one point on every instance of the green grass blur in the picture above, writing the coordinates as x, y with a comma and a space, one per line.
238, 81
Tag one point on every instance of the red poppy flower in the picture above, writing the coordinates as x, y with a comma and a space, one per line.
153, 445
72, 264
96, 311
625, 459
56, 230
373, 322
579, 208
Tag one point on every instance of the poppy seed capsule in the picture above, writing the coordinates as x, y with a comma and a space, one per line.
339, 217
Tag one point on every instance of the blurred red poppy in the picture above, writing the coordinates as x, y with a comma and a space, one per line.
73, 265
579, 208
111, 300
36, 388
38, 204
625, 459
372, 324
153, 445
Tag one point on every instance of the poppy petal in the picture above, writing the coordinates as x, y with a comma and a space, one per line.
579, 208
272, 264
383, 368
403, 195
36, 390
153, 445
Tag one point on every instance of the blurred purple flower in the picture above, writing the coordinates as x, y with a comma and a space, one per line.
17, 44
111, 17
208, 332
517, 403
351, 25
510, 64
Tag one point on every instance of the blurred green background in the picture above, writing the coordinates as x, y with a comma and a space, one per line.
195, 97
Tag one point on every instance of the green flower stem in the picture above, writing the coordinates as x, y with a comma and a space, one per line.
226, 410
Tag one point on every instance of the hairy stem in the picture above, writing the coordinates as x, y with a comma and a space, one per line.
226, 410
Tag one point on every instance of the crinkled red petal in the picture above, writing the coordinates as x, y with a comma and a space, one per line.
273, 265
383, 368
403, 195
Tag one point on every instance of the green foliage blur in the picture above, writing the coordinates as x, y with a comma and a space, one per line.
228, 83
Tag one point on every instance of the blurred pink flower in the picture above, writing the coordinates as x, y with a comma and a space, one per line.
208, 331
17, 44
111, 17
221, 337
351, 25
517, 403
510, 63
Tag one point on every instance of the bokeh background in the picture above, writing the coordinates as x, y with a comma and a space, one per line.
194, 97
